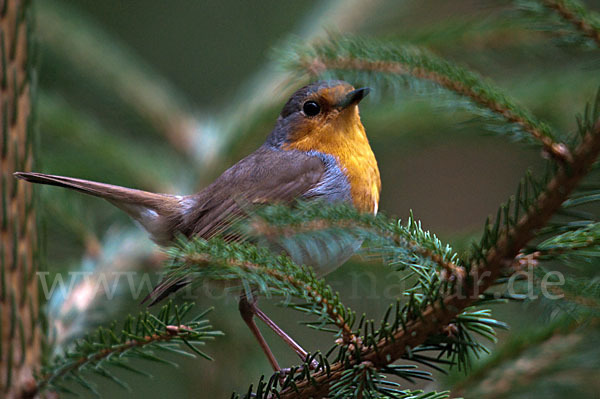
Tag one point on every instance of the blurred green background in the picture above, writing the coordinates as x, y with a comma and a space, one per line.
164, 96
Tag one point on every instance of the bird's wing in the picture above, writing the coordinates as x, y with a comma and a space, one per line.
266, 176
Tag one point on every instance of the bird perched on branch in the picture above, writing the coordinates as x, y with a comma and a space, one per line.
317, 150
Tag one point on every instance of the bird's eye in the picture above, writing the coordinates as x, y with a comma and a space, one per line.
311, 108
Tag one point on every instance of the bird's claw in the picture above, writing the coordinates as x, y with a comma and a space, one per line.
285, 372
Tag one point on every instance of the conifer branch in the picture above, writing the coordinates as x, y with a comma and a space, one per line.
585, 239
353, 55
21, 315
274, 222
513, 350
111, 346
580, 298
71, 312
547, 354
483, 274
448, 263
201, 260
575, 14
169, 334
258, 268
264, 229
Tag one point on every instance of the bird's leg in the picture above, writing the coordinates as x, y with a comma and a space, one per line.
249, 310
247, 313
282, 334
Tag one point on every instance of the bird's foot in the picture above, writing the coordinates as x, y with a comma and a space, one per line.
285, 372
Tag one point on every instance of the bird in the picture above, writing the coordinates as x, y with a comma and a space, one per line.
317, 150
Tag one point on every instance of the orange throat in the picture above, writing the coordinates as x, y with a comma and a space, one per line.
344, 138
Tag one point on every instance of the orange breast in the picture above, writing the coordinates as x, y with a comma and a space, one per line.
343, 136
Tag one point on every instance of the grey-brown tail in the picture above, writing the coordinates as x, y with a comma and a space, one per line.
106, 191
157, 213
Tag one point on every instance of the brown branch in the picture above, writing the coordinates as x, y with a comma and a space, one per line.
451, 271
263, 228
319, 65
553, 347
20, 332
577, 21
589, 243
347, 334
483, 274
170, 333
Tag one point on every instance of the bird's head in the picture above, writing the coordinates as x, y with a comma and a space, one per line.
319, 113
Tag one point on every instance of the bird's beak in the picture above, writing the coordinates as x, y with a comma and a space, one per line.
354, 97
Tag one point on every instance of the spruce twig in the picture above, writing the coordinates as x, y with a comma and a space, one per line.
21, 331
514, 349
525, 368
576, 15
367, 226
202, 259
353, 55
571, 242
137, 337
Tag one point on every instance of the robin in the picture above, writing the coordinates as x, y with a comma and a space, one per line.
317, 150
